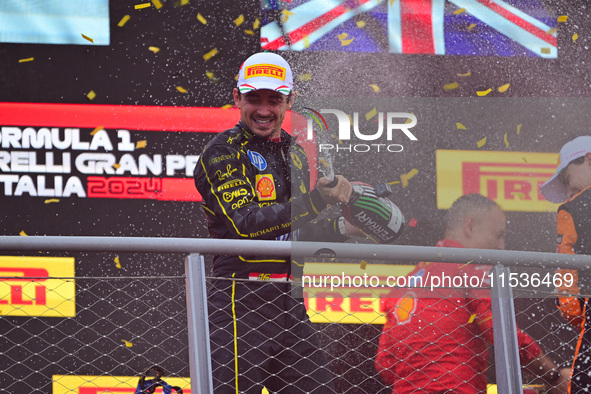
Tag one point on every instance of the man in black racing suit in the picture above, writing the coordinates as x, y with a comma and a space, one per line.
255, 184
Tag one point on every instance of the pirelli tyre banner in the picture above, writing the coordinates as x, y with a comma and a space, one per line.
84, 384
512, 179
37, 286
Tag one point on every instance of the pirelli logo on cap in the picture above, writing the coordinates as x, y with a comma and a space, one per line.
512, 179
264, 70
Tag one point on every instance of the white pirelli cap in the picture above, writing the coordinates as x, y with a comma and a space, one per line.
553, 190
265, 70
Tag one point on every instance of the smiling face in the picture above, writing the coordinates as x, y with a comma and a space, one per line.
263, 111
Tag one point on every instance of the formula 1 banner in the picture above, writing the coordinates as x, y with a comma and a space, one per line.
57, 151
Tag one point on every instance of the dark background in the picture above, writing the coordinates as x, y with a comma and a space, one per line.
548, 98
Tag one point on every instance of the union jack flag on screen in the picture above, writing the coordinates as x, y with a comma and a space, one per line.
437, 27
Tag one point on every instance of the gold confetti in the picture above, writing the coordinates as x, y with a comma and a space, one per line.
518, 128
305, 77
545, 50
460, 126
375, 87
481, 143
342, 36
406, 177
391, 2
240, 20
141, 144
249, 32
154, 49
210, 75
127, 343
87, 38
157, 4
143, 5
575, 37
324, 162
458, 12
123, 20
465, 74
236, 77
256, 24
210, 54
483, 92
469, 262
552, 31
451, 86
201, 19
116, 166
506, 141
306, 42
183, 2
347, 42
360, 24
371, 114
562, 18
29, 59
504, 87
117, 262
91, 95
285, 14
51, 200
524, 159
471, 319
519, 194
409, 120
96, 130
393, 183
363, 264
181, 89
472, 26
226, 106
23, 234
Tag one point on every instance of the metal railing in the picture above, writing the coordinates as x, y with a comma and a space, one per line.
506, 351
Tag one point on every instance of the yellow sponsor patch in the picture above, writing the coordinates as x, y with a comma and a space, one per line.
265, 187
264, 70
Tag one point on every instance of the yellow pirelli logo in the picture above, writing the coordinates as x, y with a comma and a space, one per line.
37, 286
512, 179
350, 306
84, 384
265, 70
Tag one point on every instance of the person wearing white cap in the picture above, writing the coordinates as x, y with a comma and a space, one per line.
571, 186
254, 180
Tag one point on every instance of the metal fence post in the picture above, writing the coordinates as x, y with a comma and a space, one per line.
507, 365
199, 349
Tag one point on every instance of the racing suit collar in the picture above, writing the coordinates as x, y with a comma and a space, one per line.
449, 243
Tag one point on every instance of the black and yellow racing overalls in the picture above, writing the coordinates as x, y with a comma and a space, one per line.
255, 188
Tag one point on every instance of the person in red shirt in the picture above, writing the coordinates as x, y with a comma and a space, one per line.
440, 344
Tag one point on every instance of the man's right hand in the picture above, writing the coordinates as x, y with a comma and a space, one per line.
341, 192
